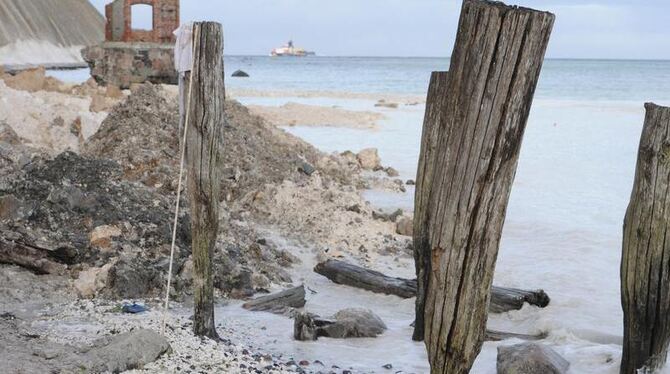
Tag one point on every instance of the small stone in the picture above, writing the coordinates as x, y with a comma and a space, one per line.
530, 358
369, 159
240, 74
304, 363
101, 236
391, 172
410, 182
387, 366
306, 168
405, 226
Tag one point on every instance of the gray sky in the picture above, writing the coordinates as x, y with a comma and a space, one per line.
624, 29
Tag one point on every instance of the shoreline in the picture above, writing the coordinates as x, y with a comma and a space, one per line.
266, 191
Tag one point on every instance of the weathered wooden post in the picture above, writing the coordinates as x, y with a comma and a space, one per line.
204, 147
493, 73
437, 93
645, 263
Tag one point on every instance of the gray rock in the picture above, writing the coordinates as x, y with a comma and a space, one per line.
240, 74
347, 323
530, 358
356, 323
131, 350
386, 217
306, 168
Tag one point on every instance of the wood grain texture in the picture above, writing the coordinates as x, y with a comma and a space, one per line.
437, 93
204, 147
645, 264
492, 77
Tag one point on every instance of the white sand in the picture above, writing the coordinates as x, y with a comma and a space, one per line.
294, 114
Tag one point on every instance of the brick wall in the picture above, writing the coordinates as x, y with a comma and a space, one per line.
119, 21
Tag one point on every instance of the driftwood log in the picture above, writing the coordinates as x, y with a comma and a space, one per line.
204, 147
645, 265
278, 303
502, 299
468, 175
37, 259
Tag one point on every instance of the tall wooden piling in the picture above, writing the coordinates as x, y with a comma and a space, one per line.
645, 264
204, 147
493, 73
437, 93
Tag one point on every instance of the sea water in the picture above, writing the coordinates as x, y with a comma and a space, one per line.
564, 222
563, 229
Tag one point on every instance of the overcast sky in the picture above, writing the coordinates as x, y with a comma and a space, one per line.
623, 29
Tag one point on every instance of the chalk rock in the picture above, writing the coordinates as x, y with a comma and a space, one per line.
31, 80
131, 350
8, 135
101, 236
92, 280
101, 103
369, 159
113, 92
530, 358
405, 226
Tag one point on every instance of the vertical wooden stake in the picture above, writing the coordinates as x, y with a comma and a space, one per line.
204, 147
437, 92
493, 73
645, 264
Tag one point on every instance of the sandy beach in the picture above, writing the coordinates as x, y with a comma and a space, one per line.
270, 202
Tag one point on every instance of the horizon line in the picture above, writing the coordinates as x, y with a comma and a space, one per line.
448, 57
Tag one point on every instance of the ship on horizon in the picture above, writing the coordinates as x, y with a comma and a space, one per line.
290, 50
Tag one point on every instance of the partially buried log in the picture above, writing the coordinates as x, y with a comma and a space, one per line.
37, 259
502, 299
283, 302
204, 147
467, 179
645, 265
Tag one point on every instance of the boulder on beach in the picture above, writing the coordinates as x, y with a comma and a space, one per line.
405, 226
369, 159
240, 74
131, 350
530, 358
347, 323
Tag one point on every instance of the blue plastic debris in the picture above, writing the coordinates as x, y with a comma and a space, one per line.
133, 308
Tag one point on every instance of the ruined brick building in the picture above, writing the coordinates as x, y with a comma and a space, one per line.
130, 56
119, 26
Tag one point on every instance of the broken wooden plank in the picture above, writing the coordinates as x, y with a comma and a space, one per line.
496, 336
278, 303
